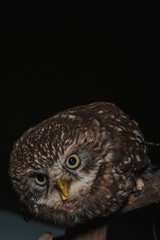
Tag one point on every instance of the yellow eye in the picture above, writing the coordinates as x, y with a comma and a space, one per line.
40, 179
73, 161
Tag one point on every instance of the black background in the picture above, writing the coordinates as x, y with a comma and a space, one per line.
59, 54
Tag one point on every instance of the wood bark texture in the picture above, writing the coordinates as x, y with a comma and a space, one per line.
149, 194
94, 230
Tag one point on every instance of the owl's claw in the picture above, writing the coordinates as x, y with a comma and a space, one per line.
136, 192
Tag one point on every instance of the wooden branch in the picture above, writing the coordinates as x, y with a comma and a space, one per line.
46, 236
149, 194
97, 229
94, 230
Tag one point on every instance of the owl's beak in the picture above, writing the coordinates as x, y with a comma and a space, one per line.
63, 188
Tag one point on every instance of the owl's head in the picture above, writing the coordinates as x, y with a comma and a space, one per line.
65, 169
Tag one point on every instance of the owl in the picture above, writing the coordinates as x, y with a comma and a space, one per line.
78, 165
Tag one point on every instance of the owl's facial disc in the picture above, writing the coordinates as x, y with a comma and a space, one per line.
63, 188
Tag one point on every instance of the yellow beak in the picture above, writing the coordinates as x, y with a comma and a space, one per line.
63, 188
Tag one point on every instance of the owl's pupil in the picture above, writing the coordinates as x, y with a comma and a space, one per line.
40, 177
72, 161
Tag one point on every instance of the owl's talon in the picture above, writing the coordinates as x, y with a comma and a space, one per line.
136, 192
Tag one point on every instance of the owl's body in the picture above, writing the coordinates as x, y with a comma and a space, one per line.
79, 164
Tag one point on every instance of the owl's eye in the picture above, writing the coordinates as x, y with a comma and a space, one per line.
40, 179
73, 161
